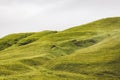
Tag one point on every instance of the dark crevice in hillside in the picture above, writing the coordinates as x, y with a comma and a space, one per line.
70, 46
34, 38
10, 40
84, 42
27, 42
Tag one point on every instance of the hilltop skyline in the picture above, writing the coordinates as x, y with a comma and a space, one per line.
38, 15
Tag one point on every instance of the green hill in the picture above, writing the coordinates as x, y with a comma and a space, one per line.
86, 52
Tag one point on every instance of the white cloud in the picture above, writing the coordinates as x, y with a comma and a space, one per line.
37, 15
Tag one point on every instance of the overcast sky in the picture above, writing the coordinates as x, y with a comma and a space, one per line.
38, 15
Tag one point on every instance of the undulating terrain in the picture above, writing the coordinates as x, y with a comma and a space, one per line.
86, 52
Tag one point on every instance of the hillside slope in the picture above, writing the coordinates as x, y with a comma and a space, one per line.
86, 52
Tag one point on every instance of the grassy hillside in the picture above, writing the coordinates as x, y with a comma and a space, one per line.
86, 52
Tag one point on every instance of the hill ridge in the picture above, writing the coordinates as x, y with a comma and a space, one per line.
86, 52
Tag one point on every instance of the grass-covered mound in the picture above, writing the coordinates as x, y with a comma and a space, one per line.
87, 52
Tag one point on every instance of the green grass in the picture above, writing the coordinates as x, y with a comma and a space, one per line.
86, 52
12, 39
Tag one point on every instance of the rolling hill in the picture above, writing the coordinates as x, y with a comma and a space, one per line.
86, 52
